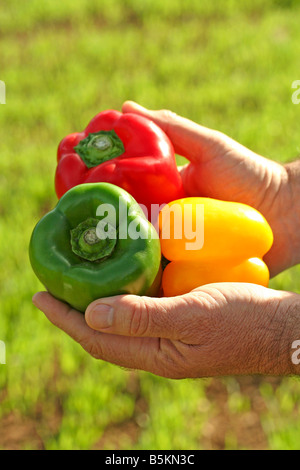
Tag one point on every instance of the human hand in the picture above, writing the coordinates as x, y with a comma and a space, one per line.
221, 168
215, 330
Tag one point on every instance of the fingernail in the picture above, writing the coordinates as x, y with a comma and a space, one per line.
101, 316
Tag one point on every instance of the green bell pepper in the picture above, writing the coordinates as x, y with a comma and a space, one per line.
96, 243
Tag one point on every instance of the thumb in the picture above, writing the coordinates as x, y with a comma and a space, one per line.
161, 117
188, 138
131, 315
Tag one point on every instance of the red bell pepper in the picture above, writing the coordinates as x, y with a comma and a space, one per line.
127, 150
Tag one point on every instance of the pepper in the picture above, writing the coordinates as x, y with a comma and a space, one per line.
96, 243
209, 241
127, 150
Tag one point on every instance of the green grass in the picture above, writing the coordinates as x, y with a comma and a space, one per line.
228, 67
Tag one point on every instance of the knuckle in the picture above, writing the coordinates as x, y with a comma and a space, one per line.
95, 352
168, 115
92, 345
139, 319
172, 364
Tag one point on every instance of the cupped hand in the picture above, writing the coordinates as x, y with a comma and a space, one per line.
215, 330
221, 168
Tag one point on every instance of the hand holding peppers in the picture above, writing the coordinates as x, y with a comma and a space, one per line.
116, 145
220, 329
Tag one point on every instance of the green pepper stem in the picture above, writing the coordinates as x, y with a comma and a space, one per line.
90, 241
99, 147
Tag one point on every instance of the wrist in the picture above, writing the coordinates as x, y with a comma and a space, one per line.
290, 346
282, 209
293, 208
283, 348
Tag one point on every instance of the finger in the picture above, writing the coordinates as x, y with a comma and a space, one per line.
135, 316
131, 353
188, 138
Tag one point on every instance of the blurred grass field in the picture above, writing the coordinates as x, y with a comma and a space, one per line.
228, 65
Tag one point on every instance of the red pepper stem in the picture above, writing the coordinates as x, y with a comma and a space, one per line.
99, 147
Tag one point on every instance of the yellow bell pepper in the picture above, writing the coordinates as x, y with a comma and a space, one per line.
209, 241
